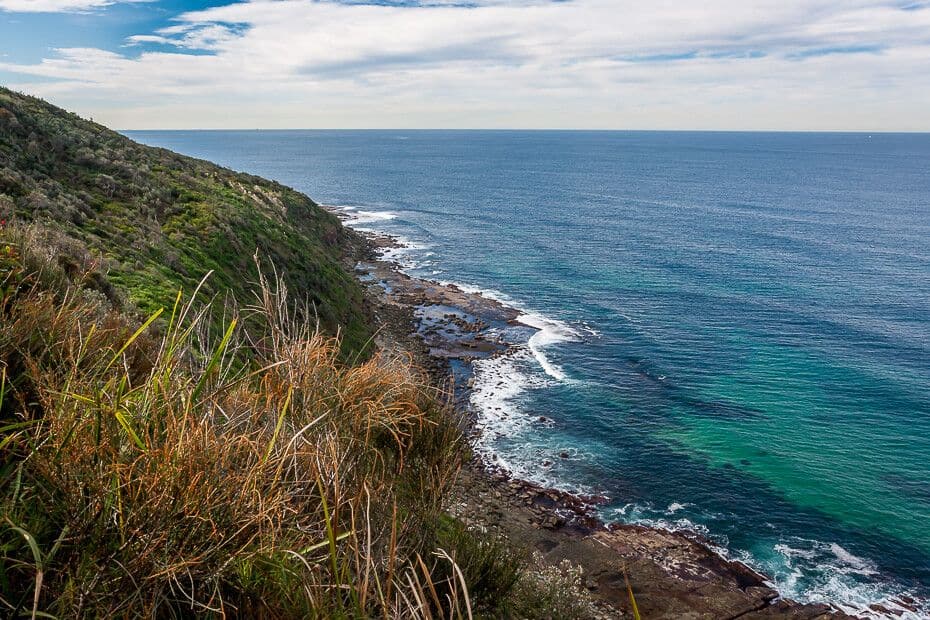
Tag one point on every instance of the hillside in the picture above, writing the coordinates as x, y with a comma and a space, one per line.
159, 221
212, 453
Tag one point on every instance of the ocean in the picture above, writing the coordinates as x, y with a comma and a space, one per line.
734, 328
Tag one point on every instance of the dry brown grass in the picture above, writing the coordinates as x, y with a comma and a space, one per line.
167, 471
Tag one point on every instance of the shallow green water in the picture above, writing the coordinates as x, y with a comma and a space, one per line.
735, 327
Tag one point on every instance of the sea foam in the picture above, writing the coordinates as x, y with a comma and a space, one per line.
550, 332
803, 570
806, 571
813, 571
354, 217
500, 382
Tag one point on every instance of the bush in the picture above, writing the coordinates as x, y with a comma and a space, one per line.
166, 469
135, 204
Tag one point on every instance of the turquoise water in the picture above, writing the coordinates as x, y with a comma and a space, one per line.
735, 327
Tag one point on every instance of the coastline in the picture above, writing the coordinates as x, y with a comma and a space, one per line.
673, 574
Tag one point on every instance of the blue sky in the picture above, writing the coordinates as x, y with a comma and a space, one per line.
717, 64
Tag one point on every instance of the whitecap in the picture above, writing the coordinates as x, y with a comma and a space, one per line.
809, 571
406, 253
819, 572
500, 383
356, 218
488, 293
791, 552
854, 562
550, 332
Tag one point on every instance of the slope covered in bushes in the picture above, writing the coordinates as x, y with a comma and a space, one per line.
158, 220
175, 444
162, 472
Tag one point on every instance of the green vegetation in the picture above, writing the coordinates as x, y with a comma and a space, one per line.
212, 453
253, 473
184, 471
158, 221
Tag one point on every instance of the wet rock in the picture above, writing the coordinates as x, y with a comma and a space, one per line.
673, 576
552, 522
907, 602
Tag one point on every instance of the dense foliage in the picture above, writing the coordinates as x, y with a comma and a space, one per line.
159, 221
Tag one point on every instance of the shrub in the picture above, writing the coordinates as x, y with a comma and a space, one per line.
168, 469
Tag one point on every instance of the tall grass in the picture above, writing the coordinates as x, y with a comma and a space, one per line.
157, 468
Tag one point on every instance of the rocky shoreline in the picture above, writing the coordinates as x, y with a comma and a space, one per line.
673, 574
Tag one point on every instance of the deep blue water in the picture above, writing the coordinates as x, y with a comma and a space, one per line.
736, 325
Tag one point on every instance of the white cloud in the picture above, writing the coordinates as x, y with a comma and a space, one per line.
788, 64
195, 37
56, 6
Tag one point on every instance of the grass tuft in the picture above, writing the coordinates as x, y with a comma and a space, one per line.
164, 467
167, 469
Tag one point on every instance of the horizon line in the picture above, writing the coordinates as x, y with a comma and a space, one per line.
542, 129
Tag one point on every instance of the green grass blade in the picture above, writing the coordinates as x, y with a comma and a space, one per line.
11, 428
17, 426
325, 543
132, 338
279, 424
171, 332
217, 355
57, 545
330, 531
31, 541
128, 428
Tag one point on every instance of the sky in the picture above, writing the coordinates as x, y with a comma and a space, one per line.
861, 65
